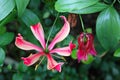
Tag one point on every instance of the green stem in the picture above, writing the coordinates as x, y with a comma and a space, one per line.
82, 23
113, 2
51, 30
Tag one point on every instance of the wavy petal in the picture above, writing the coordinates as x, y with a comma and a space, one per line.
65, 51
62, 34
30, 60
25, 45
38, 32
52, 64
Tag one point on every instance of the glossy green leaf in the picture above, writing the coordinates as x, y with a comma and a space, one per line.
74, 54
22, 67
9, 18
6, 38
29, 18
90, 9
89, 60
117, 53
2, 56
6, 6
108, 28
21, 6
70, 5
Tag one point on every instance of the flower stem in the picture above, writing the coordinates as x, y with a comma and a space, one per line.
113, 2
51, 29
82, 23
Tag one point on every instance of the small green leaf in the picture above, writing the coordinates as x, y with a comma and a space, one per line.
71, 5
89, 30
22, 67
117, 53
74, 54
9, 67
108, 28
89, 60
6, 38
2, 56
21, 6
6, 6
29, 18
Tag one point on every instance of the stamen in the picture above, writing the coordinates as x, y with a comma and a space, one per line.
36, 67
60, 57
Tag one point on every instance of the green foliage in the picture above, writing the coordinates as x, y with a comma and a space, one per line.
91, 9
15, 15
17, 76
29, 18
6, 38
70, 5
2, 29
89, 60
117, 53
108, 28
21, 6
2, 56
80, 6
74, 54
22, 67
6, 6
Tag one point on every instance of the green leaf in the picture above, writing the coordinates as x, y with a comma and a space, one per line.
6, 6
90, 9
21, 6
117, 53
6, 38
74, 54
70, 5
22, 67
17, 76
9, 67
108, 28
89, 30
2, 56
89, 60
29, 18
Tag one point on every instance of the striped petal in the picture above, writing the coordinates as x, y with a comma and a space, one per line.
38, 32
25, 45
62, 34
65, 51
30, 60
52, 64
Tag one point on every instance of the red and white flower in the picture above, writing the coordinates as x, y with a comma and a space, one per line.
47, 51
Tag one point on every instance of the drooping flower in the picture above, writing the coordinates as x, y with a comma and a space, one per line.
85, 46
47, 51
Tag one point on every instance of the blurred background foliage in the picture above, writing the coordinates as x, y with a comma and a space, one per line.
100, 17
